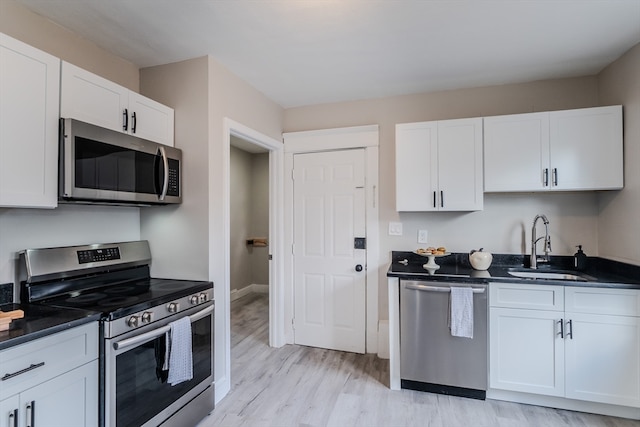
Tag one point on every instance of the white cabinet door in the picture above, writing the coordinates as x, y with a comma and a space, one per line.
460, 164
603, 359
150, 119
439, 166
526, 351
9, 411
516, 152
69, 400
93, 99
586, 149
29, 96
417, 166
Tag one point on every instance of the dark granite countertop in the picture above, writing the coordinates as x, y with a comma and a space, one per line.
40, 321
455, 267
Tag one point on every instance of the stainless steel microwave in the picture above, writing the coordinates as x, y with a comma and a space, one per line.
98, 165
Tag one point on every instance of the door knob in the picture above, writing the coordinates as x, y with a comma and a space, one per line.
359, 267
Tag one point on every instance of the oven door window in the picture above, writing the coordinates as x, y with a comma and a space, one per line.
141, 387
101, 166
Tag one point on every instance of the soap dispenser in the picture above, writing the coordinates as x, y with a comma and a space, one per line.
580, 259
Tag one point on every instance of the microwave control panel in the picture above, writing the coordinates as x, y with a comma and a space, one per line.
173, 188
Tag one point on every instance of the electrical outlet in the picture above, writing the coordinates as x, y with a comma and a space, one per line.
395, 229
422, 236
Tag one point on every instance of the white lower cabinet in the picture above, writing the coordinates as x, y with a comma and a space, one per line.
526, 351
51, 381
589, 349
68, 400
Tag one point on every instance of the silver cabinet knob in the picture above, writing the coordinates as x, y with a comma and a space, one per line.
146, 317
173, 307
132, 321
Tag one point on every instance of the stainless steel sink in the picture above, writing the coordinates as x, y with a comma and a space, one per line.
548, 275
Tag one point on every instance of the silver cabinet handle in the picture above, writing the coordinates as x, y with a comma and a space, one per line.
22, 371
428, 288
555, 177
138, 339
441, 199
13, 418
570, 333
31, 414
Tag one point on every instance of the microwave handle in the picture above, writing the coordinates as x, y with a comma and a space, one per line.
165, 162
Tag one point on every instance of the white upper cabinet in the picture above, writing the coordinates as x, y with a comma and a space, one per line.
29, 93
90, 98
586, 149
516, 152
150, 119
554, 151
439, 166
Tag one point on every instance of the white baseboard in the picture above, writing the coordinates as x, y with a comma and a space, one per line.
253, 288
383, 339
564, 403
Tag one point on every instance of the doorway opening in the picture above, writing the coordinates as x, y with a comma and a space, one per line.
250, 139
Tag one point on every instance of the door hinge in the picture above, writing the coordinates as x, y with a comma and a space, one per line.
293, 249
293, 323
293, 174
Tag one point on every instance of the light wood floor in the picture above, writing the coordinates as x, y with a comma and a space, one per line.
304, 386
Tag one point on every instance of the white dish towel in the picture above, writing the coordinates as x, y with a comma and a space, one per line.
461, 312
179, 349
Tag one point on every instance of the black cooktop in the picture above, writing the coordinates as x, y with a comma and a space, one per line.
121, 299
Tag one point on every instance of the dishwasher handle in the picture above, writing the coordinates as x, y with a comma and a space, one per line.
429, 288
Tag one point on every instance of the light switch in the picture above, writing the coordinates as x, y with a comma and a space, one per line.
395, 229
422, 236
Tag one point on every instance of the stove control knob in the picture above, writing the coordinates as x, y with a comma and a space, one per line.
133, 321
146, 317
203, 297
194, 300
173, 307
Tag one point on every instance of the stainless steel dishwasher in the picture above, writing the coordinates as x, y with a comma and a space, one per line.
431, 359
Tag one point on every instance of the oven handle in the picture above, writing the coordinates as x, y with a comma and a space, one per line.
139, 339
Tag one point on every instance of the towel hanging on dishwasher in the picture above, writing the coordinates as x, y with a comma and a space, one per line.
461, 312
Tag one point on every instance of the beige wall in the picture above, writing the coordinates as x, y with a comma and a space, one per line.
191, 237
28, 27
260, 216
240, 206
178, 234
249, 205
504, 226
619, 216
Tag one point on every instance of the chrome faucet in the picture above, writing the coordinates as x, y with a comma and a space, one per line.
547, 242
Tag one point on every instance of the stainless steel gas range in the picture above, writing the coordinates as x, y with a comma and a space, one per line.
137, 312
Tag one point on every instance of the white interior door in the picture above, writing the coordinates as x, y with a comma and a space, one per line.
329, 213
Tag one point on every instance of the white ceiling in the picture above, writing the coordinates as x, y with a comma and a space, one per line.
304, 52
